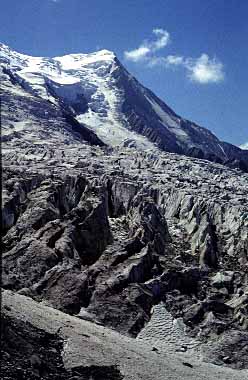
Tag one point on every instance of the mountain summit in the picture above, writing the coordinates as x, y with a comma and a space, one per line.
99, 94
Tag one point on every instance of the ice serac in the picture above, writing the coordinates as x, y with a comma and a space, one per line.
107, 234
101, 95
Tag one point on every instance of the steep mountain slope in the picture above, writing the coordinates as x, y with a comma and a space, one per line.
100, 93
29, 120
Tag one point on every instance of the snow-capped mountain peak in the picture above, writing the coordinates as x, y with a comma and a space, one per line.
76, 61
101, 94
100, 55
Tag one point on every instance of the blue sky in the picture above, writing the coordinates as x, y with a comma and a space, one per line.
191, 53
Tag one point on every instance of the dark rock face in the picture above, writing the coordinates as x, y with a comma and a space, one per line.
151, 117
58, 238
141, 116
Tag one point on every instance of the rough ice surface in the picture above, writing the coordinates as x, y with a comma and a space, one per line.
165, 332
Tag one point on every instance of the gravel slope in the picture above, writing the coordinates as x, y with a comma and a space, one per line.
88, 345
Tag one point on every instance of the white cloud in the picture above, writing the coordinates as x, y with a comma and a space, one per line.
137, 54
174, 60
156, 61
148, 47
204, 70
169, 61
201, 70
244, 146
162, 41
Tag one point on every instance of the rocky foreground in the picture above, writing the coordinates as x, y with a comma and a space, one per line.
43, 343
152, 245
